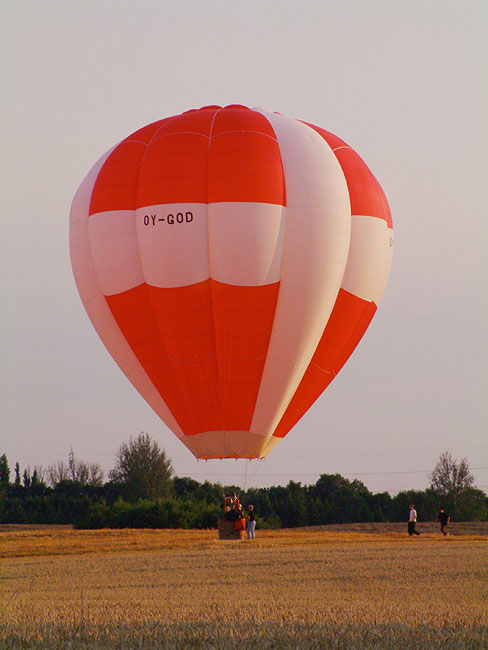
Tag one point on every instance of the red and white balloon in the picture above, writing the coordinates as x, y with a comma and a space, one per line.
230, 259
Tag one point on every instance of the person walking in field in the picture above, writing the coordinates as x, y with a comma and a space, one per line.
412, 520
251, 522
444, 518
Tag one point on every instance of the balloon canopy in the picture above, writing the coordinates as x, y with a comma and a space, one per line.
230, 260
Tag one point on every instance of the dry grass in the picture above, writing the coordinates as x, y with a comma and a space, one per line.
290, 589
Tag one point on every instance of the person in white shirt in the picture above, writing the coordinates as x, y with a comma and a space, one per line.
412, 521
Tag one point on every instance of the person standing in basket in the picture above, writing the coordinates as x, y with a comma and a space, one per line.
412, 520
251, 522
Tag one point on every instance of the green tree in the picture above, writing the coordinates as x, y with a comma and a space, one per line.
35, 478
143, 468
451, 480
295, 512
4, 469
86, 473
17, 474
26, 477
56, 473
471, 505
78, 471
449, 476
334, 499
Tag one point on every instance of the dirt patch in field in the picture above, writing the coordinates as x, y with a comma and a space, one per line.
376, 527
454, 528
4, 528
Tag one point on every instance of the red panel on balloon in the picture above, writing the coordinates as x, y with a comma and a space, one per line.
174, 170
347, 323
185, 323
366, 194
133, 312
243, 318
116, 184
244, 159
203, 346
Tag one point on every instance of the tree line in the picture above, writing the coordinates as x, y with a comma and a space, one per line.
143, 492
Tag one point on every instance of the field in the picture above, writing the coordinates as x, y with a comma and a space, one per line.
355, 587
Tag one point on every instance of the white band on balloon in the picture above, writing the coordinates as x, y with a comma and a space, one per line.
316, 243
369, 259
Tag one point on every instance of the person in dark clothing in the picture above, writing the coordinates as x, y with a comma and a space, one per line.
444, 518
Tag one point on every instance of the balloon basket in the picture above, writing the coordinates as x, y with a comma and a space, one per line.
227, 530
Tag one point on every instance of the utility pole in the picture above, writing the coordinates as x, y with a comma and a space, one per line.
71, 464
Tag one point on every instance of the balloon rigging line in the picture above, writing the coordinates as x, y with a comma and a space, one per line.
258, 466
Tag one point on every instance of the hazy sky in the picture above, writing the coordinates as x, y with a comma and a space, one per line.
403, 82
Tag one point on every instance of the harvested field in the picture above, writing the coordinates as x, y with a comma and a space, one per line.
289, 589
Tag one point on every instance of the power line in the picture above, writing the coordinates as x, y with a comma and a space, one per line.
414, 471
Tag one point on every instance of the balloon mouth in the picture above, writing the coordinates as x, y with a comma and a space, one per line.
218, 445
230, 457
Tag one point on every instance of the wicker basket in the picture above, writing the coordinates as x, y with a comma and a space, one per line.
227, 530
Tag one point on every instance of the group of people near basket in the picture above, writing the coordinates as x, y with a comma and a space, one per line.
232, 511
443, 517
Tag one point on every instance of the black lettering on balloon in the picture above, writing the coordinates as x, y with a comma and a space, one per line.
171, 219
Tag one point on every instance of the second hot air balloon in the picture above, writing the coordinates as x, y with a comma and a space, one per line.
230, 259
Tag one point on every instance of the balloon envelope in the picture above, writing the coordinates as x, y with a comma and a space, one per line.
230, 259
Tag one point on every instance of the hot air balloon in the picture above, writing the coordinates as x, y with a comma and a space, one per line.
230, 260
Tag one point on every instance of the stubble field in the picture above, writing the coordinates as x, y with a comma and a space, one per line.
341, 588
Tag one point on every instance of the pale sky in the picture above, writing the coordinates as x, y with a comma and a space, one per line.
403, 82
